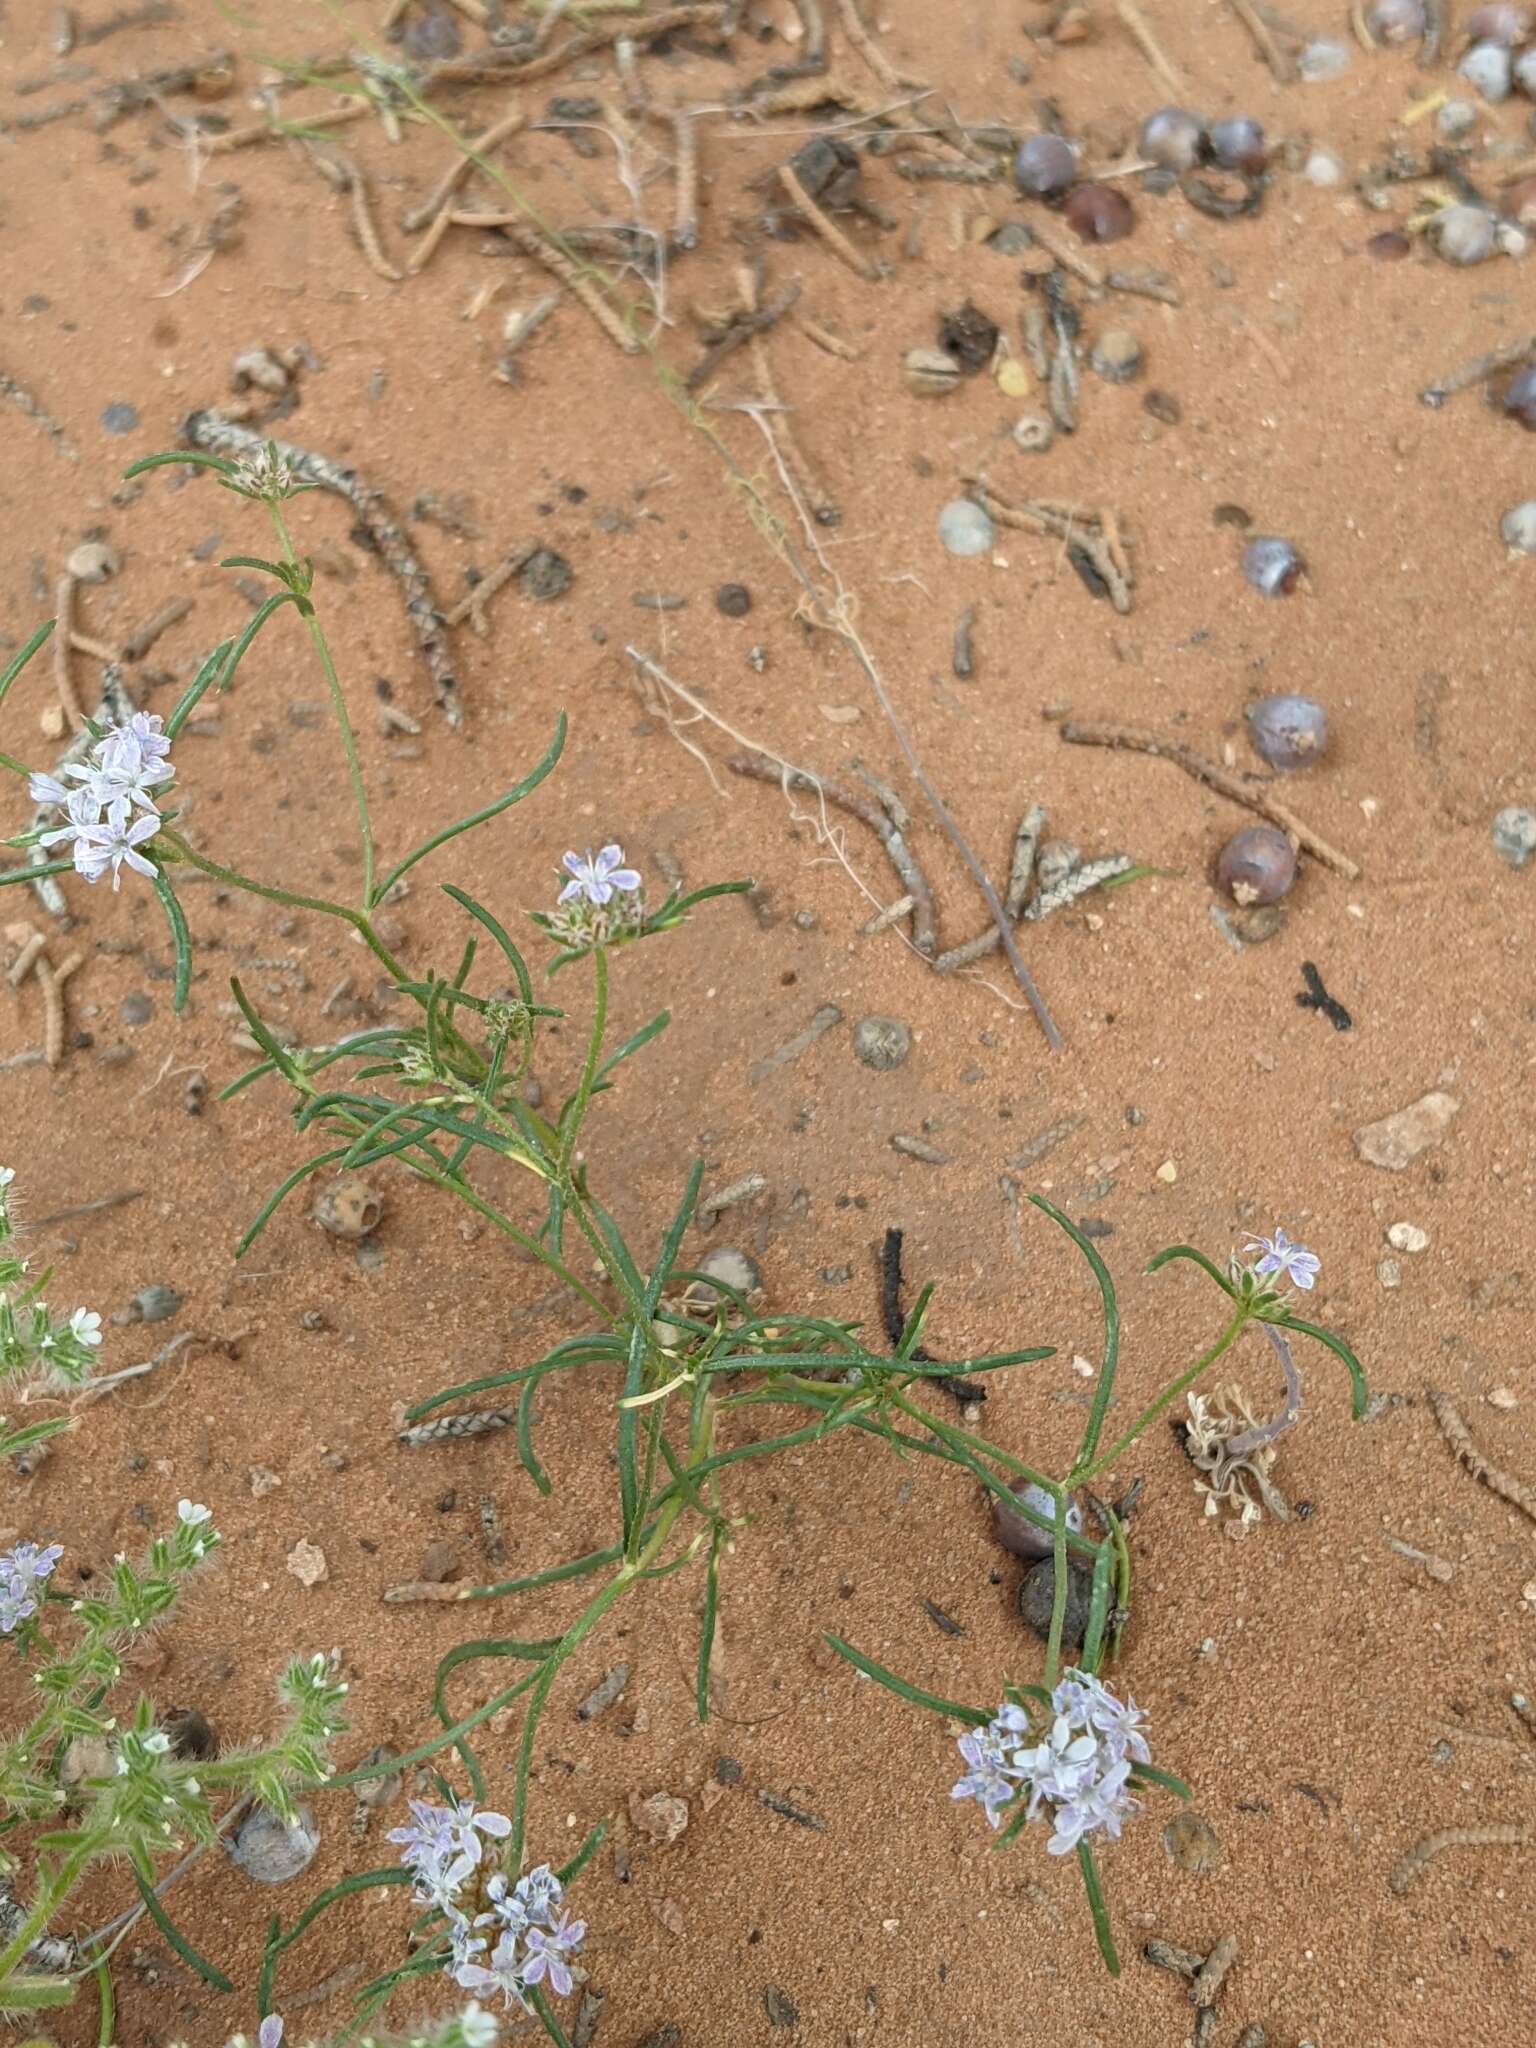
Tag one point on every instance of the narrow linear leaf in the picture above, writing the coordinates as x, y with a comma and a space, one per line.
1098, 1909
978, 1717
209, 1972
18, 662
181, 940
1106, 1380
1187, 1251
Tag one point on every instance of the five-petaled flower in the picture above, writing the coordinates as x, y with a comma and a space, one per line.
597, 876
109, 800
1080, 1768
1285, 1260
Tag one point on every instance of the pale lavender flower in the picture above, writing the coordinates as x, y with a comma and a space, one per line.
1285, 1260
270, 2033
548, 1948
24, 1569
1079, 1768
539, 1893
113, 844
442, 1845
1099, 1802
597, 876
502, 1971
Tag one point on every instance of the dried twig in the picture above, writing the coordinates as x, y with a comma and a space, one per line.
22, 399
579, 280
1497, 1836
827, 228
1080, 527
472, 605
266, 131
220, 436
740, 330
1459, 1437
63, 632
1504, 357
1149, 46
464, 161
493, 66
1279, 61
363, 222
824, 338
862, 41
1139, 740
762, 769
138, 644
1213, 1971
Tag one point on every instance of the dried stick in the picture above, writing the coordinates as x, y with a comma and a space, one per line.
828, 229
862, 41
741, 330
23, 964
1079, 526
424, 250
774, 421
1504, 357
265, 131
1213, 1971
492, 66
1149, 46
1497, 1836
1281, 67
824, 338
363, 223
1069, 258
534, 243
1434, 34
902, 859
472, 605
63, 682
98, 650
685, 214
53, 1011
210, 430
1141, 741
1459, 1437
138, 644
23, 400
463, 163
1020, 875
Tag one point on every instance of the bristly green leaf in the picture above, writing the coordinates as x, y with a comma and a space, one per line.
209, 1972
569, 1872
514, 795
1187, 1251
1359, 1394
1097, 1908
181, 941
284, 1188
1106, 1380
18, 662
977, 1717
707, 1626
187, 703
30, 874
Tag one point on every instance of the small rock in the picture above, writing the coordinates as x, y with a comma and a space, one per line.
307, 1563
734, 600
964, 529
1456, 119
1321, 58
1258, 923
348, 1208
136, 1008
662, 1816
1502, 1397
1162, 405
1514, 835
968, 337
272, 1850
92, 562
780, 2007
260, 367
734, 1268
1322, 167
1191, 1843
604, 1694
1025, 1538
431, 35
121, 418
881, 1042
155, 1303
1407, 1237
1397, 1140
1039, 1591
1116, 356
1168, 1172
1013, 378
545, 575
439, 1562
1389, 1273
1033, 432
1517, 529
929, 372
262, 1480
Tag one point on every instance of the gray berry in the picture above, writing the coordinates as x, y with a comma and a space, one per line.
1271, 565
881, 1042
1044, 166
1256, 865
1174, 138
1238, 144
1025, 1538
1288, 732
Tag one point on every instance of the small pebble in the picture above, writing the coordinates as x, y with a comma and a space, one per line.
306, 1562
155, 1303
1239, 144
1407, 1237
1163, 406
272, 1850
1168, 1172
1517, 529
1023, 1537
1321, 58
1389, 1273
348, 1208
1044, 166
1271, 565
1117, 356
1033, 432
1395, 1141
1037, 1595
1464, 234
1396, 21
1502, 1397
734, 600
1487, 68
1457, 118
1322, 167
734, 1269
120, 418
92, 562
881, 1042
1514, 835
1191, 1843
964, 529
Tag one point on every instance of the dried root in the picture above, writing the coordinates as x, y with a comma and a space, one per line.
1459, 1437
1499, 1836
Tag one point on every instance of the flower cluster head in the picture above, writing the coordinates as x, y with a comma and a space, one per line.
506, 1937
474, 2027
24, 1570
1282, 1260
601, 900
266, 473
110, 800
1079, 1768
34, 1342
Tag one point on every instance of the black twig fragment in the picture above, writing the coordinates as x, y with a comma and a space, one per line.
895, 1321
1316, 997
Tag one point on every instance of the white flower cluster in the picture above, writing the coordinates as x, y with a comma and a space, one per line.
1080, 1769
530, 1937
474, 2027
110, 799
34, 1342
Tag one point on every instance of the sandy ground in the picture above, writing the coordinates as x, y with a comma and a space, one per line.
1308, 1681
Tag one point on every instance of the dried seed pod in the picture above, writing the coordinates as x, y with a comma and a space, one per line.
1519, 399
1098, 213
349, 1207
1044, 166
1288, 732
1396, 21
1489, 70
1025, 1538
930, 372
1038, 1592
1257, 865
1464, 234
968, 336
1501, 23
1271, 565
1033, 432
1238, 144
1174, 138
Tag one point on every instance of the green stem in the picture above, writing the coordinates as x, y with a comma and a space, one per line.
589, 1069
339, 706
504, 1224
16, 768
948, 1433
356, 918
54, 1891
1170, 1393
